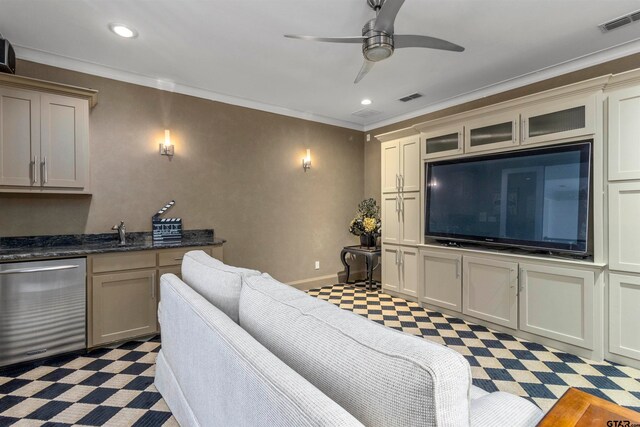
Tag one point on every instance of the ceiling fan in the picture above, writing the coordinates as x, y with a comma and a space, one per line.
378, 39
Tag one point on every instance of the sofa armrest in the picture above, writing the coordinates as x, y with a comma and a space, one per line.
501, 409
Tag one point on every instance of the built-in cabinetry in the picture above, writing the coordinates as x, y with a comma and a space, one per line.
623, 100
400, 212
124, 291
441, 283
44, 136
401, 269
556, 300
490, 290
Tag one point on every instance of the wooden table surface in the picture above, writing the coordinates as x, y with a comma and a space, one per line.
577, 408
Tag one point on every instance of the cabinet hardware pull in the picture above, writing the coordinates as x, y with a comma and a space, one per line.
38, 269
153, 290
401, 181
522, 279
524, 129
45, 172
178, 259
457, 269
401, 257
35, 169
397, 252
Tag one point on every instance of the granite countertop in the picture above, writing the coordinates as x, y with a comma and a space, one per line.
31, 247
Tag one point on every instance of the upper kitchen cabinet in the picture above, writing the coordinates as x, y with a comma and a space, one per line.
44, 136
401, 165
490, 132
557, 120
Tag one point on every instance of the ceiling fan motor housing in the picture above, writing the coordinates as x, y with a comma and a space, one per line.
377, 45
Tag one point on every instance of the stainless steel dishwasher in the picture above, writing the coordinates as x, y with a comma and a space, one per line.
42, 309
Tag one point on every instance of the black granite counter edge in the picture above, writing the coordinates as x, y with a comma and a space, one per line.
88, 247
64, 240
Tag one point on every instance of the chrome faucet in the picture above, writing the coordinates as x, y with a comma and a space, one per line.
122, 231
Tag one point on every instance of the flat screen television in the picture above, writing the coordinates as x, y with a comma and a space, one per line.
533, 199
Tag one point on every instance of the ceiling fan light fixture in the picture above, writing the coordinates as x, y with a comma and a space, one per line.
378, 53
365, 101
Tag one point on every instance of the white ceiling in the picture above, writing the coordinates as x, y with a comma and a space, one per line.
234, 51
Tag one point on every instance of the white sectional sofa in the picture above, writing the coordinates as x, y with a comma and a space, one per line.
242, 349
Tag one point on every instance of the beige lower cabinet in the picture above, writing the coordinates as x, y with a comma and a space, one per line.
490, 290
624, 233
124, 291
400, 271
624, 315
123, 305
441, 279
557, 303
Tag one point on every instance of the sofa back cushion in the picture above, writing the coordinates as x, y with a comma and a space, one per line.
383, 377
213, 373
219, 283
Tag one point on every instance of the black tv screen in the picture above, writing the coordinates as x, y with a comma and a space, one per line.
535, 199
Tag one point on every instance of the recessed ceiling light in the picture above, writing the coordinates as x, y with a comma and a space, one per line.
123, 31
365, 102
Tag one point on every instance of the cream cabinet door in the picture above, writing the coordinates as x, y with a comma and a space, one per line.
391, 267
390, 167
19, 137
490, 290
64, 141
409, 218
557, 303
624, 232
442, 142
123, 305
624, 134
495, 131
410, 163
391, 218
559, 119
441, 279
624, 315
409, 272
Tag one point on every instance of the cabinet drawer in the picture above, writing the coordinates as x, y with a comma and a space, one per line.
174, 256
127, 261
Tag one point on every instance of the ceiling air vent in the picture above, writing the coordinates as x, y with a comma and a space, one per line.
366, 112
410, 97
619, 22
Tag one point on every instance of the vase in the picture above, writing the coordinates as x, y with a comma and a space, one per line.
368, 240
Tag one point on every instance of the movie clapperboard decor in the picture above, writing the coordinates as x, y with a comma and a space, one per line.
166, 230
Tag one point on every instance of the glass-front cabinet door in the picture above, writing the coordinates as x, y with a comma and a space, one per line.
491, 132
443, 141
558, 120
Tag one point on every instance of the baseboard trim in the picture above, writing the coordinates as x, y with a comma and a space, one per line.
321, 281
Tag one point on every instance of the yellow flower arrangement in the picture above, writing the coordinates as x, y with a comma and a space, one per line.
370, 225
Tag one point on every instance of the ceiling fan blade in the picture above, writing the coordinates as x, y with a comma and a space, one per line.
405, 40
355, 39
366, 67
387, 16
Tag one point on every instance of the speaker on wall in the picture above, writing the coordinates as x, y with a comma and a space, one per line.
7, 57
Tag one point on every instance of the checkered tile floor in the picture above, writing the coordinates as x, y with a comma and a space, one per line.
498, 361
110, 387
114, 387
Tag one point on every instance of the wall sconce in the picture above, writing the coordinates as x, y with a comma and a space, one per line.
166, 149
306, 162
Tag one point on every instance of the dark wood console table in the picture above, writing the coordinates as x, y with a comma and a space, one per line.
371, 256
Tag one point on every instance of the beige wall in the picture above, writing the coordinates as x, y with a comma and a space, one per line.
372, 169
236, 169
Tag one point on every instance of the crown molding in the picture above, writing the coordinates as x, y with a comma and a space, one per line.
54, 60
585, 61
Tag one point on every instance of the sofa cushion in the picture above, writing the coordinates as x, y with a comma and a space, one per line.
219, 283
213, 373
381, 376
